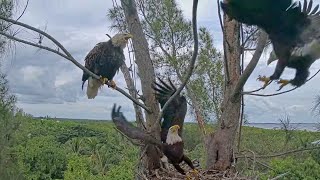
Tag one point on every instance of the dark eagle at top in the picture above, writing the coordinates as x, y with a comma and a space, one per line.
175, 113
104, 60
293, 29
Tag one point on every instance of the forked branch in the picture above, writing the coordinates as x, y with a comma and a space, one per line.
65, 54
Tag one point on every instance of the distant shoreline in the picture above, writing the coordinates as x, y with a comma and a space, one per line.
294, 126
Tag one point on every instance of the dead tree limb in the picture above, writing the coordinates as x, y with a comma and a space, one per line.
251, 66
192, 62
130, 130
66, 54
280, 154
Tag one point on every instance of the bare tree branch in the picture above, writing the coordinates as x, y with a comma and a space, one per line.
66, 55
251, 66
192, 62
281, 154
280, 176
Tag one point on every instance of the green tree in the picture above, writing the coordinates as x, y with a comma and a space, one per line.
42, 158
9, 123
170, 37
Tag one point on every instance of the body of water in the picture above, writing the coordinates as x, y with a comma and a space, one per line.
293, 126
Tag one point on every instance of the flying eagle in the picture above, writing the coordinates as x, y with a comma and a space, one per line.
175, 113
292, 28
172, 148
104, 60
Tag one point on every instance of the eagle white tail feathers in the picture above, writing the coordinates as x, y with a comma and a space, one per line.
93, 87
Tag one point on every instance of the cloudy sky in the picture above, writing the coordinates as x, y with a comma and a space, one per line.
47, 84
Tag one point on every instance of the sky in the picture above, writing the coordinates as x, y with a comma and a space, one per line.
47, 84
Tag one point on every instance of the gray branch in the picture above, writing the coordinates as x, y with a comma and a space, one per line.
251, 66
66, 55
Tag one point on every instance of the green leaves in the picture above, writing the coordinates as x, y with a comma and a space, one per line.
42, 158
307, 169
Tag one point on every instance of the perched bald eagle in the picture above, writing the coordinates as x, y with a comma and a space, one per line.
172, 148
292, 28
175, 113
104, 60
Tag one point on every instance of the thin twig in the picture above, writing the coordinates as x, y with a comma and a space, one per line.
281, 154
67, 55
280, 176
192, 62
242, 98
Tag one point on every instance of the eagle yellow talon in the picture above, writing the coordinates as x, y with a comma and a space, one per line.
113, 84
103, 80
283, 83
188, 177
193, 172
264, 79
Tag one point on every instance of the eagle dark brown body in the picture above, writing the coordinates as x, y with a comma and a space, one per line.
104, 60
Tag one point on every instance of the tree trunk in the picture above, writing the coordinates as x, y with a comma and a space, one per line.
146, 73
220, 144
133, 93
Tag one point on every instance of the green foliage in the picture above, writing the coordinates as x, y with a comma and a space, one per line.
77, 131
103, 153
307, 169
123, 171
79, 167
42, 158
316, 155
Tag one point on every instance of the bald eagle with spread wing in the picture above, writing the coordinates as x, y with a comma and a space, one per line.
293, 29
104, 60
172, 124
175, 113
172, 148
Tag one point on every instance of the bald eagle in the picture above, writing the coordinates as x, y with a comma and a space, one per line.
175, 112
172, 148
104, 60
292, 28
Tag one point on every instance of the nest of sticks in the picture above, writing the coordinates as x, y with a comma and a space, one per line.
172, 174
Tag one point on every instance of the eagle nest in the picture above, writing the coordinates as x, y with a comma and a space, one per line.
172, 174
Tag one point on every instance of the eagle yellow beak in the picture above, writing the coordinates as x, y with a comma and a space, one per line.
175, 128
128, 36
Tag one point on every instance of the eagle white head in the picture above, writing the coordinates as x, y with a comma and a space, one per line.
173, 136
121, 39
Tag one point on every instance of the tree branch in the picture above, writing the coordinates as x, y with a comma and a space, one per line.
192, 62
66, 55
281, 154
251, 66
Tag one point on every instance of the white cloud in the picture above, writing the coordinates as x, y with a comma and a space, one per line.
47, 84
